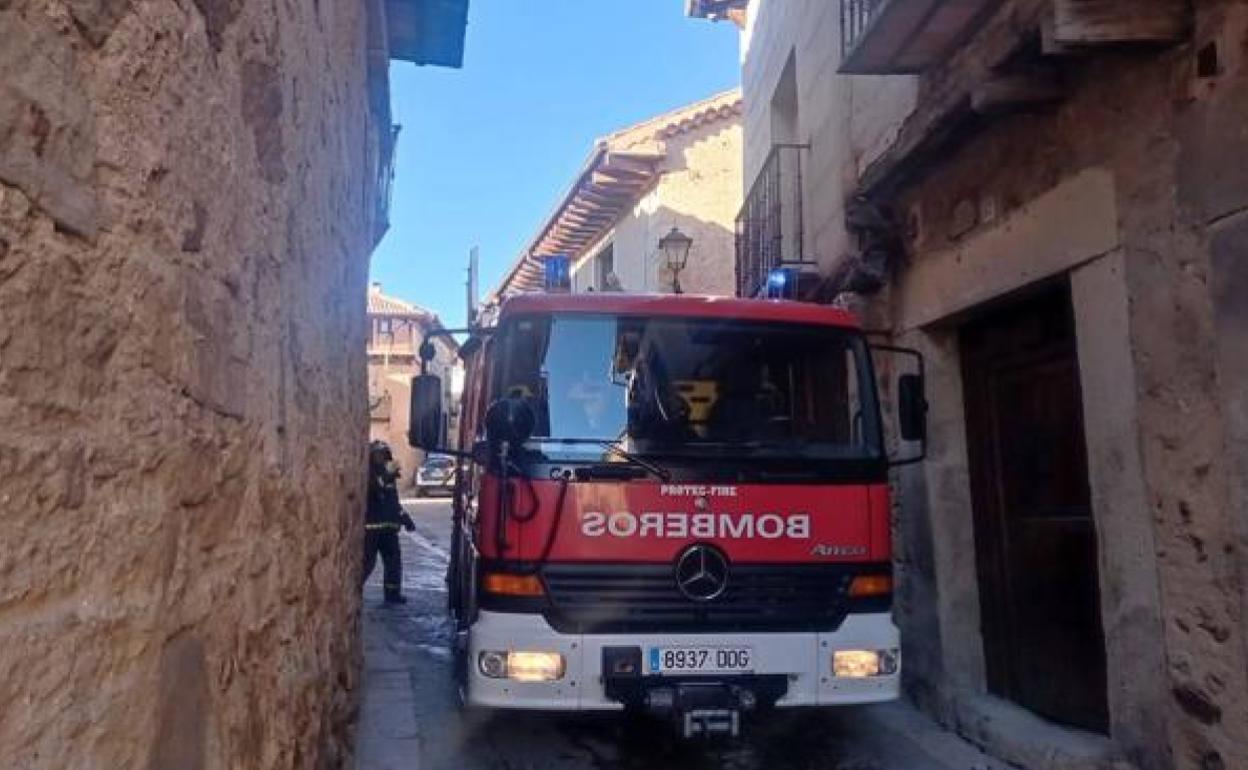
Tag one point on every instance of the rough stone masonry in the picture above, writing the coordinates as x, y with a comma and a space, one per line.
186, 209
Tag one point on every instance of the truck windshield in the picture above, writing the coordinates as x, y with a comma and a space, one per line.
695, 387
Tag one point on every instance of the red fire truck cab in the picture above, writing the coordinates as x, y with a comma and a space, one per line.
671, 503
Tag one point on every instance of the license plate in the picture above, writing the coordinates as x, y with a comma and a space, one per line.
701, 660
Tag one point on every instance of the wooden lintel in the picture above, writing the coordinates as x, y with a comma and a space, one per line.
1049, 44
1109, 22
1014, 92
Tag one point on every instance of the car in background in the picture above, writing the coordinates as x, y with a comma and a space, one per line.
436, 475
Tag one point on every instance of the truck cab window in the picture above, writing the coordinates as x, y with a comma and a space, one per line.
692, 387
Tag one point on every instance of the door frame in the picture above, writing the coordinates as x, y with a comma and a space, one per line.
997, 581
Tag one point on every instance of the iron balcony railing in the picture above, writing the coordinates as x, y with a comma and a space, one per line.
856, 18
770, 228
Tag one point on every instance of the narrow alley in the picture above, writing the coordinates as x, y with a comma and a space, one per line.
819, 385
409, 717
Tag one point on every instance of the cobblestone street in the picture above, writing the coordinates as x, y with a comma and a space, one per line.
409, 718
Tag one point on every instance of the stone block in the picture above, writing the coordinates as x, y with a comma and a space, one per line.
47, 133
1212, 172
98, 18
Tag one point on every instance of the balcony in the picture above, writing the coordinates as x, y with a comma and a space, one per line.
897, 37
385, 182
427, 31
769, 227
715, 10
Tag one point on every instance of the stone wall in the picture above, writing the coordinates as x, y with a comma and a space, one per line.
1160, 328
186, 211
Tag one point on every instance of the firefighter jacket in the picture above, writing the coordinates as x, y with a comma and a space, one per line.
383, 512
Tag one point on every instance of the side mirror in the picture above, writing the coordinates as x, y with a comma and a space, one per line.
911, 408
911, 403
425, 420
510, 420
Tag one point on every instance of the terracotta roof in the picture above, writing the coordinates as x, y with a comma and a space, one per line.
622, 167
679, 121
393, 307
382, 304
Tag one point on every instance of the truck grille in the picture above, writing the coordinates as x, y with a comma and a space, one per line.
587, 598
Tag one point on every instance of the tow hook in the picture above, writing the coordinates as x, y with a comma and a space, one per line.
707, 709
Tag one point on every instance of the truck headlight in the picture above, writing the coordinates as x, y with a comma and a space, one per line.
522, 666
493, 664
860, 664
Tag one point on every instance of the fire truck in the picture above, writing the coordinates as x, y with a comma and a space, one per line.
674, 504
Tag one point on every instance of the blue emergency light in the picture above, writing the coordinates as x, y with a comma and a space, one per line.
782, 283
558, 277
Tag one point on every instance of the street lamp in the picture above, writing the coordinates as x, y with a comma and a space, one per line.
675, 247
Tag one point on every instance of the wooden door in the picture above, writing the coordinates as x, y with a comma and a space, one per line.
1035, 537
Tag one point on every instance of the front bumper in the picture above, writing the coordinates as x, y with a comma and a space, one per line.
804, 659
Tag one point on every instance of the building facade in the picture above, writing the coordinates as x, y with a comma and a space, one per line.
678, 170
396, 331
1049, 199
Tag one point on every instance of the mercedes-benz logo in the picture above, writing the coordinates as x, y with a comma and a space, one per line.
702, 573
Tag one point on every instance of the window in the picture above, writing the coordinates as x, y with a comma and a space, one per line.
681, 386
605, 278
785, 120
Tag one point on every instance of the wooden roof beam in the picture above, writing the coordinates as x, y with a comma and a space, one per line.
640, 160
584, 213
584, 232
627, 176
1007, 93
606, 179
583, 207
598, 220
606, 198
1111, 22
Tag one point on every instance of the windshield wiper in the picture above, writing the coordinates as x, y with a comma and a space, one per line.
614, 448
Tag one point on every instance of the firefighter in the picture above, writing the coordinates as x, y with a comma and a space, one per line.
383, 517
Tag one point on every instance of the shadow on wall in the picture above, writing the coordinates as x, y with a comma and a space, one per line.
642, 267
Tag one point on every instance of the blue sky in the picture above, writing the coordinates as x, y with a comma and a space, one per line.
486, 151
